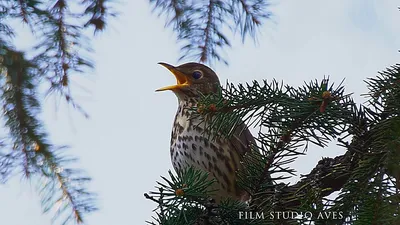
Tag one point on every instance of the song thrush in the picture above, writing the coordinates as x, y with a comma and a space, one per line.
190, 147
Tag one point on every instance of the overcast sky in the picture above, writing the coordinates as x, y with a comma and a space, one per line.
124, 146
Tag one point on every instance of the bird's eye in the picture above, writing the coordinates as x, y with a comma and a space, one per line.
197, 74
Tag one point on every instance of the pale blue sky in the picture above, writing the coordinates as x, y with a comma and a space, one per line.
119, 147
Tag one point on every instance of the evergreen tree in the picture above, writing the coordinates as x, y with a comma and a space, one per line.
366, 178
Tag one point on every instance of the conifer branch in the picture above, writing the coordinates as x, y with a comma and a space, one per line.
59, 53
249, 15
23, 11
36, 155
58, 50
200, 25
99, 11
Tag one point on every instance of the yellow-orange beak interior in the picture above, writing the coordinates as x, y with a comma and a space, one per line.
181, 79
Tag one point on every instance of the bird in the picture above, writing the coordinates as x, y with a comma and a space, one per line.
190, 147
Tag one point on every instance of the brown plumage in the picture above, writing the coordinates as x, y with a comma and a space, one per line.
190, 147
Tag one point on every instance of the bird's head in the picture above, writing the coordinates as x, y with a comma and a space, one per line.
192, 78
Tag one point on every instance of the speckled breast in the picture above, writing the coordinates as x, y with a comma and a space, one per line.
191, 147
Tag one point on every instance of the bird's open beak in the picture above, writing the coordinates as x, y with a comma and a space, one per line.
181, 79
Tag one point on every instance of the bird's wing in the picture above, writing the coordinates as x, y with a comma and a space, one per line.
242, 139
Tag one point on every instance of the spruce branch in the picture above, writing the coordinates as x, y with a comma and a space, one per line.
64, 189
62, 48
357, 171
249, 15
99, 10
22, 5
32, 151
181, 195
58, 50
288, 119
174, 11
184, 199
384, 91
200, 25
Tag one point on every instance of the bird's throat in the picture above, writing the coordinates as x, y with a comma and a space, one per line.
186, 107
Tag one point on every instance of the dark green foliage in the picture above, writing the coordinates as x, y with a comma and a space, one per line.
366, 178
180, 197
57, 54
193, 206
384, 92
200, 25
